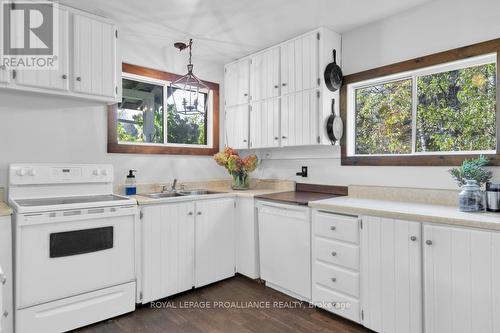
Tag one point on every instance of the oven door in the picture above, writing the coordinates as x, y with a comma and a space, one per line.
67, 253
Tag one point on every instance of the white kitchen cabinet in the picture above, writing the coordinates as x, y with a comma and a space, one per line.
247, 238
300, 119
391, 275
264, 74
461, 280
167, 250
214, 240
94, 56
265, 124
237, 124
237, 83
6, 277
300, 64
57, 79
285, 248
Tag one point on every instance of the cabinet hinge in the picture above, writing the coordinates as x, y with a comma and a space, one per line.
225, 70
141, 215
360, 223
14, 74
251, 61
116, 89
116, 33
317, 93
317, 36
319, 81
362, 315
234, 203
140, 296
319, 139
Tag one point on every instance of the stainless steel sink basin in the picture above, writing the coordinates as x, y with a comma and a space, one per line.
196, 192
163, 195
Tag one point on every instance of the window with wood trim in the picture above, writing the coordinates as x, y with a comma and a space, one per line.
435, 110
146, 120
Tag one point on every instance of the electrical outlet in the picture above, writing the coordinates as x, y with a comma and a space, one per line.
302, 173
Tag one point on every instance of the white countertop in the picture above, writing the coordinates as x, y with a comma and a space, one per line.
410, 211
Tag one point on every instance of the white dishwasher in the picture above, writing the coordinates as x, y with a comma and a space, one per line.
285, 248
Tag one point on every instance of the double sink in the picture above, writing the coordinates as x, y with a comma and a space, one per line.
181, 193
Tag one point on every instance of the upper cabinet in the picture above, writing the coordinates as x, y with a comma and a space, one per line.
86, 60
287, 96
299, 64
237, 80
237, 127
265, 74
94, 56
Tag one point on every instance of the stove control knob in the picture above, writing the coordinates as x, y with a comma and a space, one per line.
31, 172
96, 172
21, 172
104, 172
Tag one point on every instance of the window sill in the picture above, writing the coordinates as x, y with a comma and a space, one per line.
118, 148
414, 160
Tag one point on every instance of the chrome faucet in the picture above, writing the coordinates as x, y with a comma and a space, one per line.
172, 189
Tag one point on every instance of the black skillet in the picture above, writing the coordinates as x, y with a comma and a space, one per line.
333, 74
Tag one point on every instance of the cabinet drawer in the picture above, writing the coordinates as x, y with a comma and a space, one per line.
335, 226
337, 303
336, 278
336, 253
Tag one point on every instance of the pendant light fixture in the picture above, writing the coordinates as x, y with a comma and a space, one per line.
189, 91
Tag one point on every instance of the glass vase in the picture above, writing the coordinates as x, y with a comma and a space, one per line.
241, 181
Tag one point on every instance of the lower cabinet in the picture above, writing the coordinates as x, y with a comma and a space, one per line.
186, 245
391, 275
461, 280
214, 241
167, 250
6, 276
285, 248
247, 238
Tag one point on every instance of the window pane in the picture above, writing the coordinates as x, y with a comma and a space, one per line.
186, 126
384, 118
140, 114
456, 110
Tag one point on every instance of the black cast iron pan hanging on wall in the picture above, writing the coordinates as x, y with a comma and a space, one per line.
333, 74
334, 126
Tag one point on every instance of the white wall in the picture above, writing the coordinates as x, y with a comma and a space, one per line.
45, 129
437, 26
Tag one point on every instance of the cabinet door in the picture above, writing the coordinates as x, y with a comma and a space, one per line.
237, 83
237, 126
391, 277
264, 75
285, 248
264, 124
6, 321
215, 251
167, 250
57, 79
300, 64
461, 280
94, 54
300, 119
247, 240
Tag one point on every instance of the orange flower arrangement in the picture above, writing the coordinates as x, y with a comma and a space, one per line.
238, 167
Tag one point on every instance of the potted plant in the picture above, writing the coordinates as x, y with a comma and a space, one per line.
239, 168
472, 171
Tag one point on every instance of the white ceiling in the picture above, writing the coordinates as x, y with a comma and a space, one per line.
224, 30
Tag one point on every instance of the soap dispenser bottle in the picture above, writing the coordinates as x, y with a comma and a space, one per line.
130, 183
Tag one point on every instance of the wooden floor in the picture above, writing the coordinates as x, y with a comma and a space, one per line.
177, 316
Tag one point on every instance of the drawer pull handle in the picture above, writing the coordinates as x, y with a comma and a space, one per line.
413, 238
334, 254
334, 279
333, 228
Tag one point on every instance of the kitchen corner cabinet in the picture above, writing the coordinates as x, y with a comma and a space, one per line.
265, 124
391, 275
237, 126
237, 81
167, 250
214, 241
461, 280
6, 277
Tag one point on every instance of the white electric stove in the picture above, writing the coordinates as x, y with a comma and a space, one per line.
75, 246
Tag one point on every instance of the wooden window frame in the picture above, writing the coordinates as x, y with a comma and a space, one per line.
461, 53
116, 147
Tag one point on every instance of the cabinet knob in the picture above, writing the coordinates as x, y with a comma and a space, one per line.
333, 228
64, 77
276, 138
276, 86
244, 140
245, 95
283, 137
199, 213
78, 78
428, 242
190, 213
413, 238
334, 254
6, 313
3, 279
283, 84
3, 67
334, 279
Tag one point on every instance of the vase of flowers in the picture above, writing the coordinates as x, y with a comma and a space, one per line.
239, 168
